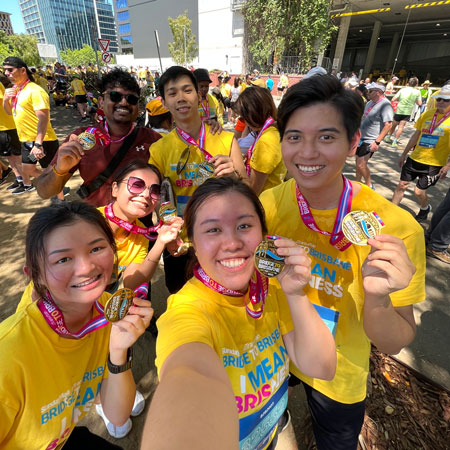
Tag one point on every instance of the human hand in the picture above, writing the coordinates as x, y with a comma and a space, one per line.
169, 232
223, 166
387, 268
373, 147
69, 154
37, 152
214, 126
297, 271
401, 161
10, 93
444, 170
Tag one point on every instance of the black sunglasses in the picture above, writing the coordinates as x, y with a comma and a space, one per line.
446, 100
136, 185
117, 97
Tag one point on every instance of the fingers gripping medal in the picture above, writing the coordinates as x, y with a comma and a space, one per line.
117, 306
167, 212
206, 169
87, 140
267, 261
359, 226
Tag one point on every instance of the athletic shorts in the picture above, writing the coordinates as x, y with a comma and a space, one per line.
364, 149
280, 88
50, 149
9, 143
400, 117
428, 175
80, 99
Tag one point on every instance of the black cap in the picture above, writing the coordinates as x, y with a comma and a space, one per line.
202, 75
14, 61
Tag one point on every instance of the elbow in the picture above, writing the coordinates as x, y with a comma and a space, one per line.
328, 369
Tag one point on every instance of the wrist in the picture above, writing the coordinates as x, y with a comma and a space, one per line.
58, 173
37, 145
118, 356
378, 142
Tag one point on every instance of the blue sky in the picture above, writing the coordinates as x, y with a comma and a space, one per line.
12, 6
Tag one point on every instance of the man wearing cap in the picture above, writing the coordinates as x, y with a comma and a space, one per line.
376, 122
390, 85
208, 106
79, 90
429, 161
29, 105
159, 116
425, 93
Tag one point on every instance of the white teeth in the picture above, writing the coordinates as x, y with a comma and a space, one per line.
232, 262
309, 168
85, 283
122, 110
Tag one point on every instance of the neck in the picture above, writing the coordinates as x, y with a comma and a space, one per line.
75, 315
121, 215
326, 197
191, 126
118, 129
21, 82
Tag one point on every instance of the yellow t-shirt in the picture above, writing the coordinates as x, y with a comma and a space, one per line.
336, 281
266, 158
166, 152
255, 358
142, 73
78, 87
6, 120
213, 107
32, 98
42, 82
47, 383
432, 156
225, 90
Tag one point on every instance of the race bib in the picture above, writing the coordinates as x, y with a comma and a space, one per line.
428, 140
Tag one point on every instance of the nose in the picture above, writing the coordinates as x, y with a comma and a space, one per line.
84, 265
309, 149
232, 241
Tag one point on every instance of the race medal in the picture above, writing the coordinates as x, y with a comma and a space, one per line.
181, 164
183, 248
117, 306
267, 262
167, 212
87, 140
359, 226
206, 169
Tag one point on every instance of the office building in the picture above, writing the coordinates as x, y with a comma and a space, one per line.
5, 23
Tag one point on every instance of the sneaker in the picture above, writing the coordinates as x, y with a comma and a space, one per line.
387, 139
22, 189
5, 175
14, 185
394, 143
66, 190
113, 430
443, 256
84, 119
284, 421
422, 215
372, 187
139, 404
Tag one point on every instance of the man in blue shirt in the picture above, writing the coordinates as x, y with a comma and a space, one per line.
269, 83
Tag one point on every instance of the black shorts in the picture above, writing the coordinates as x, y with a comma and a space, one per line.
9, 143
428, 175
364, 149
50, 149
281, 88
400, 117
80, 99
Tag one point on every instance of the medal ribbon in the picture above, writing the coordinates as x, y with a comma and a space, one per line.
16, 97
337, 239
372, 106
266, 125
191, 141
102, 137
205, 109
115, 141
149, 232
434, 125
55, 318
257, 290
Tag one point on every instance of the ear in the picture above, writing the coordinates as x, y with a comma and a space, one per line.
354, 143
26, 271
114, 189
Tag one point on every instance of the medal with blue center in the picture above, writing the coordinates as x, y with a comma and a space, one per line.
359, 226
267, 260
117, 306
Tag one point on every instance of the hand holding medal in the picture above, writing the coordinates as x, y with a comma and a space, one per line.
168, 215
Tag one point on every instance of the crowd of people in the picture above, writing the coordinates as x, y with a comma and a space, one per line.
281, 270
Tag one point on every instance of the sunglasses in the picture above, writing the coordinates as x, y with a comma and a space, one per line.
117, 97
446, 100
137, 185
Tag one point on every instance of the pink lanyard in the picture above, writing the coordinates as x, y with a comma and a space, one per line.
149, 233
434, 125
55, 318
366, 113
205, 109
257, 291
115, 141
191, 141
337, 239
266, 125
16, 98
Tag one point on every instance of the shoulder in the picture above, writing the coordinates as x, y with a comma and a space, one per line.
165, 141
274, 196
147, 135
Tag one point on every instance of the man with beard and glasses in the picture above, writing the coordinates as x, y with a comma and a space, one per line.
120, 93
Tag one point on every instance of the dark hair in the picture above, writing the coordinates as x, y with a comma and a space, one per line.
119, 78
14, 61
122, 172
255, 105
157, 121
322, 89
172, 74
413, 82
218, 95
48, 219
236, 82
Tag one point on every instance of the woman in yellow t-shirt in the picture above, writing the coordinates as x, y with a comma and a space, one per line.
136, 191
264, 164
225, 341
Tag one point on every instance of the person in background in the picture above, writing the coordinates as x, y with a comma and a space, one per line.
207, 104
159, 117
425, 93
80, 93
391, 84
269, 83
235, 92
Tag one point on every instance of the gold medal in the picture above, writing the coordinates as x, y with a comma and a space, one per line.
117, 306
87, 140
359, 226
267, 261
184, 158
167, 212
183, 248
206, 169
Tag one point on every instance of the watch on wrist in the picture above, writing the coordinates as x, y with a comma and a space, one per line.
378, 142
124, 367
36, 144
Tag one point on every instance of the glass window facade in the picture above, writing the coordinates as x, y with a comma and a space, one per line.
123, 16
121, 4
125, 40
125, 29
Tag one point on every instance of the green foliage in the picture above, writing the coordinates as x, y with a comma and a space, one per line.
81, 57
279, 27
179, 26
22, 45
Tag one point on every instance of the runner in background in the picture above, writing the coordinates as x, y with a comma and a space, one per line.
235, 92
80, 93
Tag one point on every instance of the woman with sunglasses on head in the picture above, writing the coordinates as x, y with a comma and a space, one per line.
56, 351
224, 344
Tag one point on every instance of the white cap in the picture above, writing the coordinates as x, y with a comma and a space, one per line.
444, 92
315, 71
380, 87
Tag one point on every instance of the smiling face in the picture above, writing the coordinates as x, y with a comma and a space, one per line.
203, 89
119, 112
315, 146
181, 98
78, 263
131, 206
225, 239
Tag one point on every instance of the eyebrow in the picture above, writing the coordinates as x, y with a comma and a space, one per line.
213, 220
332, 129
174, 88
62, 250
